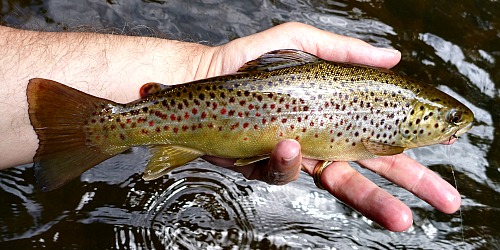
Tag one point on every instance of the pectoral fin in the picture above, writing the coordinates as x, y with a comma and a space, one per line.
381, 149
166, 158
246, 161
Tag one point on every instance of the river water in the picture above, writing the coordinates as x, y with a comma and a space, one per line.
454, 45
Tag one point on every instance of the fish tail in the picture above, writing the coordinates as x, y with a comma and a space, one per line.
58, 114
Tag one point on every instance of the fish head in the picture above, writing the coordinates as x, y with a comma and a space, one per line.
435, 118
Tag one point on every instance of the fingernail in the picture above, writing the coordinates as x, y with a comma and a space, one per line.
394, 51
288, 161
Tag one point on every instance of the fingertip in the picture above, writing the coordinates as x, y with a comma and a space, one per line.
285, 162
287, 150
452, 203
399, 220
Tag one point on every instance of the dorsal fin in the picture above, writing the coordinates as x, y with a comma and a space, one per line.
279, 59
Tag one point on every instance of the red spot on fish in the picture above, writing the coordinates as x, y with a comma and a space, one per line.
264, 120
184, 128
281, 133
151, 123
272, 106
231, 112
299, 119
176, 129
245, 125
283, 120
316, 135
242, 102
122, 136
193, 127
172, 117
257, 114
255, 126
245, 139
158, 129
129, 120
240, 114
214, 105
122, 125
141, 120
194, 111
179, 118
287, 106
210, 125
273, 119
292, 126
200, 125
223, 111
203, 115
250, 106
234, 126
231, 99
297, 138
145, 131
311, 124
166, 128
186, 115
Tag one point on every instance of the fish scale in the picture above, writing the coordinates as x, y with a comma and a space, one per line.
335, 111
330, 110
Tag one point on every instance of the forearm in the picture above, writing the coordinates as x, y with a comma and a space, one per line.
108, 66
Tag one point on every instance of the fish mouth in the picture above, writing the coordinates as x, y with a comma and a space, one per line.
462, 130
457, 133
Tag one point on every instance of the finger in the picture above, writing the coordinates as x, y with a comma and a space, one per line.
283, 166
324, 44
417, 179
348, 185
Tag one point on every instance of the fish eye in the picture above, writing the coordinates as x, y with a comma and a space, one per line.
454, 117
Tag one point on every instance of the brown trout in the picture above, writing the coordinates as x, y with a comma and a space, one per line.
336, 111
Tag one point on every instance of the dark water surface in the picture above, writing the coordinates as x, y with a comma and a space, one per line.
455, 45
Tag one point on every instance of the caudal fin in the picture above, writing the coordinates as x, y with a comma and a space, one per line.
58, 114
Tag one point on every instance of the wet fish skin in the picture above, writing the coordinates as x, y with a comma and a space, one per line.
335, 111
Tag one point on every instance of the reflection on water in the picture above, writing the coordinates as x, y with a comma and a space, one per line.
453, 46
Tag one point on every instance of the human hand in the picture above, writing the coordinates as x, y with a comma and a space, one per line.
339, 178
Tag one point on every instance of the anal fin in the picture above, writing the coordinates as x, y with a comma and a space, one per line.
166, 158
381, 149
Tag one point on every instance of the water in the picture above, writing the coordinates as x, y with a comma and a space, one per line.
453, 45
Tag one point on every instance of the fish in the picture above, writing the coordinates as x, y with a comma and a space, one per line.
336, 111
